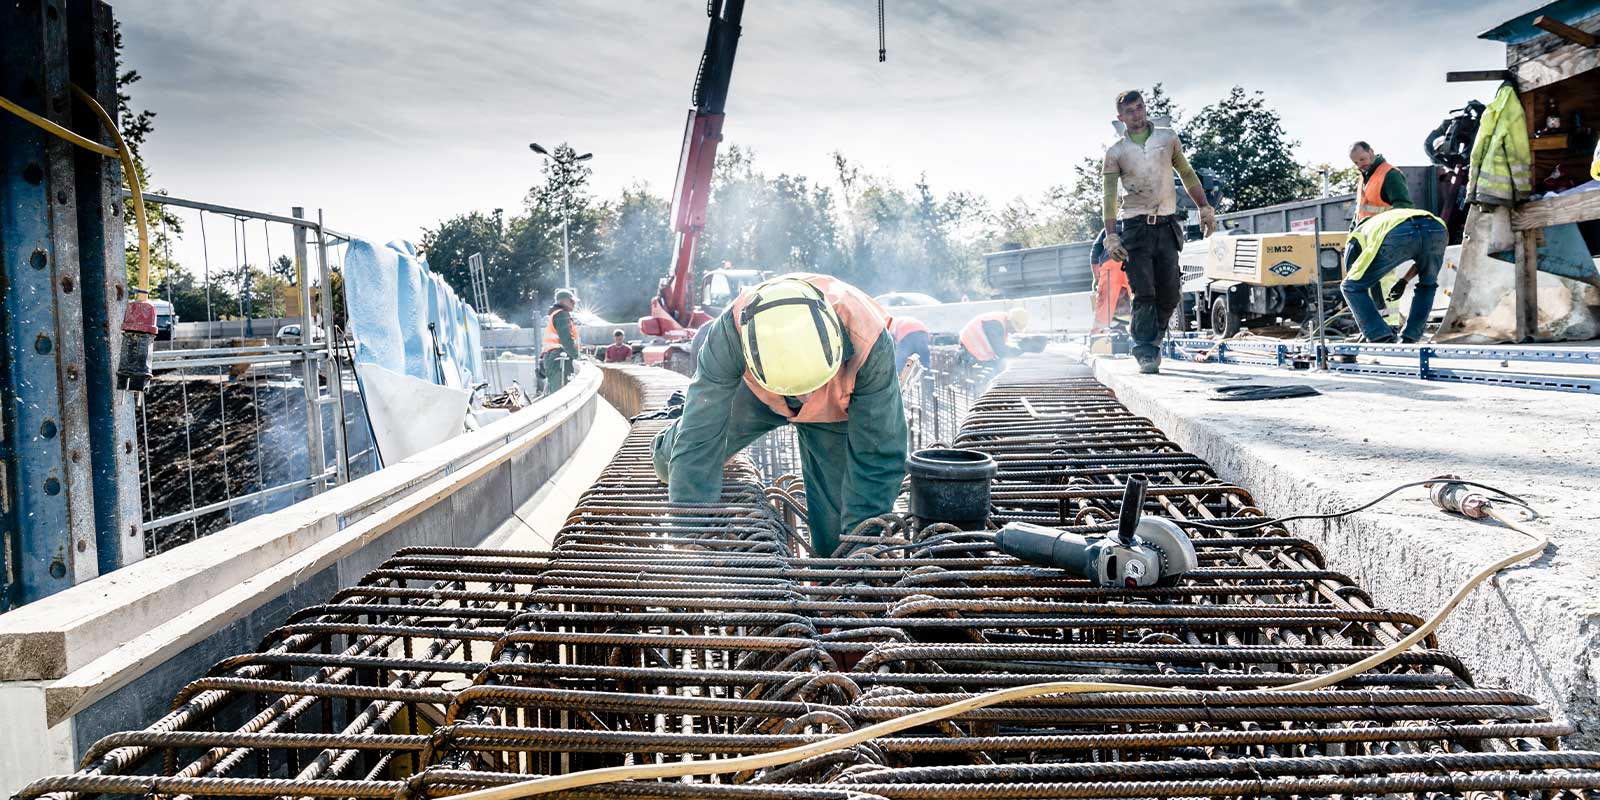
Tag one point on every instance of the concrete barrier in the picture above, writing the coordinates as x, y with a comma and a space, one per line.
108, 654
1052, 313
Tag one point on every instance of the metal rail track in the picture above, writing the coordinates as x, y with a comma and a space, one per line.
655, 632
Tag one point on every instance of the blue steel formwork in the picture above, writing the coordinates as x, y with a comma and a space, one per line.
65, 428
1419, 361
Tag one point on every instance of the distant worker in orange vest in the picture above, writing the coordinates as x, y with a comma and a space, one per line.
1382, 185
802, 349
987, 338
911, 338
560, 339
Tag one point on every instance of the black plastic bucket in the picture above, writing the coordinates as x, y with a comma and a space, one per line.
951, 485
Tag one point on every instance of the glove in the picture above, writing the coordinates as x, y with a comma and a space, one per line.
1208, 221
1399, 289
1114, 248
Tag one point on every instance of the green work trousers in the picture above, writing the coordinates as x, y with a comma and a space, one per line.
824, 461
557, 368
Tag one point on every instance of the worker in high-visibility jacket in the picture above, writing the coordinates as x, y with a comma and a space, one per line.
558, 354
1375, 249
986, 338
807, 350
911, 338
1383, 186
1502, 164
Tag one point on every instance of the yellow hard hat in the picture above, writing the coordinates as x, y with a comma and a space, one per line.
793, 342
1019, 318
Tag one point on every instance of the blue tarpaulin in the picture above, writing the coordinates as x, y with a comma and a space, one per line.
406, 319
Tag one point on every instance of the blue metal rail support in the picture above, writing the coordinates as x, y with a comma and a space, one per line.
103, 276
49, 523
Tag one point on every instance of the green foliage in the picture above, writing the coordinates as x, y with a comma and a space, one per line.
1243, 141
637, 252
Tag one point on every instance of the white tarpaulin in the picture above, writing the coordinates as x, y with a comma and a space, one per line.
410, 415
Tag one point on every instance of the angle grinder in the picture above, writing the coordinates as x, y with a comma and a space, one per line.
1142, 551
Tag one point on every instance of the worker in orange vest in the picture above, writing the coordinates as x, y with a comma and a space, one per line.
1382, 185
558, 354
807, 350
911, 338
986, 339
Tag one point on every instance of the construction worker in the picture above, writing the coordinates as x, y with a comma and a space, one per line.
619, 351
911, 338
1143, 228
1382, 185
801, 349
559, 352
986, 338
1502, 165
1376, 247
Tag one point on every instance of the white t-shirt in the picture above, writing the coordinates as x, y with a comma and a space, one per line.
1145, 184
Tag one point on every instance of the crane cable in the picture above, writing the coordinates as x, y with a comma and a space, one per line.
119, 152
594, 777
883, 52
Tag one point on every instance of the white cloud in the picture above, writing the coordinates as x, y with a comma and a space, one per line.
393, 115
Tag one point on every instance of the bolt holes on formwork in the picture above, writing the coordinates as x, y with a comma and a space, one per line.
38, 259
67, 285
43, 344
48, 429
33, 174
58, 570
52, 486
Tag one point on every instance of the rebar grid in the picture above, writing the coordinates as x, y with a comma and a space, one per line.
656, 632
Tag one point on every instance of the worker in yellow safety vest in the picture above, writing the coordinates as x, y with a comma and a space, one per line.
1502, 164
1375, 249
1382, 185
558, 354
986, 339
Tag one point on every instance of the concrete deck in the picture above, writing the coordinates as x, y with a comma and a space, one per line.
1535, 628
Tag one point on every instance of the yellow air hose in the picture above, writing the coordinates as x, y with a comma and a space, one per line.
595, 777
120, 152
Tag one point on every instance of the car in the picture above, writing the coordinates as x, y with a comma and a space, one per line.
491, 321
290, 334
894, 299
166, 319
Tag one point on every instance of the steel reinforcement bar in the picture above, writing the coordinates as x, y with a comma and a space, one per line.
655, 632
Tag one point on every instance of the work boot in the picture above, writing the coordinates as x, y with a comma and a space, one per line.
1149, 365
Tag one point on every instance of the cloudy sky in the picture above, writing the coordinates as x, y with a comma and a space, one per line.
393, 115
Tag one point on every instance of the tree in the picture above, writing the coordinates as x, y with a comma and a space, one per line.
637, 248
136, 127
283, 267
1243, 141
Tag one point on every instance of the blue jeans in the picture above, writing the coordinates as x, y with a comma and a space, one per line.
1420, 240
913, 344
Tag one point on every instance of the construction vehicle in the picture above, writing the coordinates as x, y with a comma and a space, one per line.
674, 318
1234, 279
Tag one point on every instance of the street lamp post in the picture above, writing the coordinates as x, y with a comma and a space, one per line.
566, 207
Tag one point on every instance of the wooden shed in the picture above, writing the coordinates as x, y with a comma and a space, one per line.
1553, 61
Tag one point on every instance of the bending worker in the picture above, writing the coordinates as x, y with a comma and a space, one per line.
559, 353
911, 338
1146, 233
987, 337
1377, 246
805, 349
1382, 185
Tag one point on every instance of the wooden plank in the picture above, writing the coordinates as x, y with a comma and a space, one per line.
1527, 283
1468, 76
1580, 207
1565, 31
1558, 65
